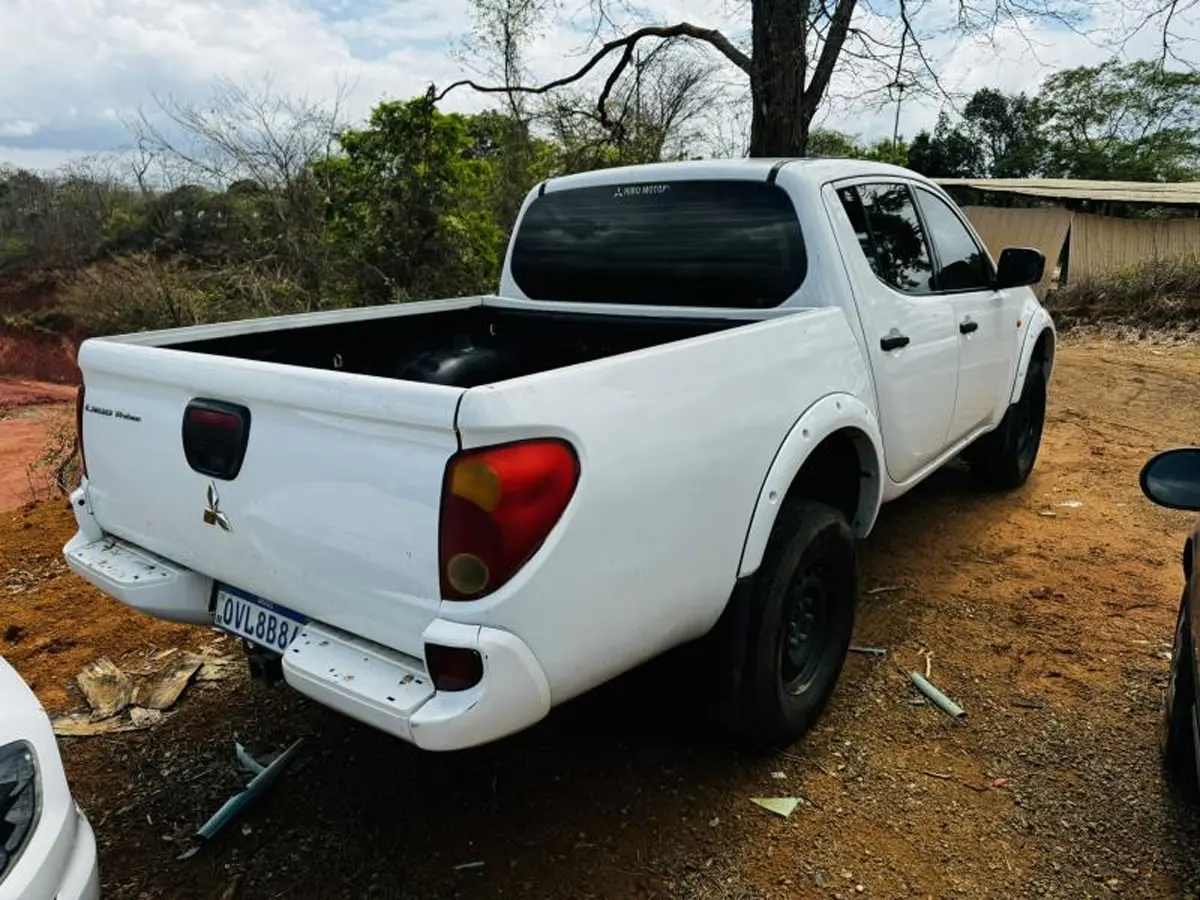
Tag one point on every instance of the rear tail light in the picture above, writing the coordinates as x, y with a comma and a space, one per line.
79, 404
215, 435
498, 505
453, 668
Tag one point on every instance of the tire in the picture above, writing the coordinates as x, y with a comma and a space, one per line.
794, 629
1178, 732
1003, 458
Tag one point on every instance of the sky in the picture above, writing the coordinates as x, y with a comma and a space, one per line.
72, 71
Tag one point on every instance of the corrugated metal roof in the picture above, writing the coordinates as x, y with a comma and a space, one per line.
1181, 193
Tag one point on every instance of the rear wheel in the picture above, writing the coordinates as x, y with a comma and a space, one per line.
1178, 731
1002, 459
797, 626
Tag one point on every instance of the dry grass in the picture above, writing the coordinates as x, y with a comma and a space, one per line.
1149, 298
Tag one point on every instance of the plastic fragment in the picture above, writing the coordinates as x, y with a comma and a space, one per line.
248, 762
781, 806
257, 786
940, 700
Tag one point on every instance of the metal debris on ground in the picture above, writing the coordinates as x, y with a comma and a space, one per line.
886, 589
462, 867
263, 778
940, 700
1070, 504
870, 651
781, 806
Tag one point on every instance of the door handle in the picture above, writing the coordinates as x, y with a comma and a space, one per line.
894, 341
968, 326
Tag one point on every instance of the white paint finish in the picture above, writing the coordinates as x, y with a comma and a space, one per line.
393, 692
187, 334
985, 358
916, 385
1039, 322
149, 584
686, 450
648, 551
59, 860
833, 412
368, 682
334, 512
513, 694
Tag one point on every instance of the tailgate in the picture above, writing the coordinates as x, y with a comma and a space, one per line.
334, 509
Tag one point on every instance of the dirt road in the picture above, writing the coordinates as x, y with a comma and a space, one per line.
1048, 613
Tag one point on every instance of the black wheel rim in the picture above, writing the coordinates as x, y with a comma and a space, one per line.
807, 641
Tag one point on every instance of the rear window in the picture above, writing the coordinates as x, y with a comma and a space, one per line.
680, 243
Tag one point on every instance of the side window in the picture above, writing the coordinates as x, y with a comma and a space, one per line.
896, 246
962, 263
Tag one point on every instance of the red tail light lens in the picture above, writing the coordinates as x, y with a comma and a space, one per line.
79, 430
212, 418
453, 668
498, 506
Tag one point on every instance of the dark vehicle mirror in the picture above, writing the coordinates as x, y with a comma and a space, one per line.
1019, 267
1172, 478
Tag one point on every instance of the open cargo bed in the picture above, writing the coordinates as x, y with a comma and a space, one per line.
461, 347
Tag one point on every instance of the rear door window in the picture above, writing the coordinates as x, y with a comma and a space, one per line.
681, 243
889, 231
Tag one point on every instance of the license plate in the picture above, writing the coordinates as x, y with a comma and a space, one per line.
260, 621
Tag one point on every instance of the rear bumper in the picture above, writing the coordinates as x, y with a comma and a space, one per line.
377, 685
393, 692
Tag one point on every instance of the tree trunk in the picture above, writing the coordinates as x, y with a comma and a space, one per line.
779, 69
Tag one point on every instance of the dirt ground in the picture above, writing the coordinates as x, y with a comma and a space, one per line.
29, 411
1048, 613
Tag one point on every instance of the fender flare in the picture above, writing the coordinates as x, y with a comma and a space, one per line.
1040, 323
831, 413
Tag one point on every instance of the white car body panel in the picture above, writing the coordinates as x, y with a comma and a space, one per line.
58, 861
686, 450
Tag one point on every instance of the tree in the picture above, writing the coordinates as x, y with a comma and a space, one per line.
947, 153
795, 48
656, 114
408, 204
1133, 121
1005, 128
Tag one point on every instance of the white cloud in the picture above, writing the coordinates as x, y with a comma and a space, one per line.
18, 128
71, 69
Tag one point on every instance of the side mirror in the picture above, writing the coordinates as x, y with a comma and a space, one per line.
1019, 267
1172, 478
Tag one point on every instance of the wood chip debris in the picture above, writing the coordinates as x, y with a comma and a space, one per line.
162, 688
123, 702
108, 689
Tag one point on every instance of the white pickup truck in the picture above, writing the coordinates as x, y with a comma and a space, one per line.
695, 387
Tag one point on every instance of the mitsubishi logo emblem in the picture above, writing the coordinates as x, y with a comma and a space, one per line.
212, 510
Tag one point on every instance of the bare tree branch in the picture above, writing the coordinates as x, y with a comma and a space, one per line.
682, 29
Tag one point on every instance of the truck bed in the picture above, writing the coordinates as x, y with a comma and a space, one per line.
460, 347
